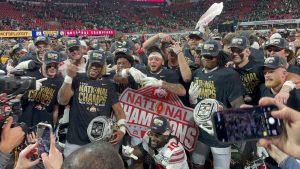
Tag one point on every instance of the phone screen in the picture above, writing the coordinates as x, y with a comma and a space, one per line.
43, 133
234, 125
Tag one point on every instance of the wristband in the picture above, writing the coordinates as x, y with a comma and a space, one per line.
290, 84
124, 73
122, 125
123, 129
121, 122
68, 79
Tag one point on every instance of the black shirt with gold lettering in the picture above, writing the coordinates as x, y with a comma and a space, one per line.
252, 77
224, 85
38, 105
91, 98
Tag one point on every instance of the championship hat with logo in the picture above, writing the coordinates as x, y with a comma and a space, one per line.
196, 35
211, 48
51, 57
240, 42
97, 56
72, 42
42, 39
160, 125
275, 62
278, 42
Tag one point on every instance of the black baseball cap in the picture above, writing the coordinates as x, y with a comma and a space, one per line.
278, 42
211, 48
42, 39
275, 62
123, 53
196, 34
240, 42
15, 49
160, 125
72, 42
51, 57
97, 56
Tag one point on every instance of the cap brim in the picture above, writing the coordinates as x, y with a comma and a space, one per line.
40, 41
195, 35
95, 61
235, 46
129, 58
48, 62
214, 54
269, 46
156, 131
271, 66
73, 46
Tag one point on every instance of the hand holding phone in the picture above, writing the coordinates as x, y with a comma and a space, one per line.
43, 134
233, 125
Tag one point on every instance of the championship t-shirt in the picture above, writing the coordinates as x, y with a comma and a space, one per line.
224, 85
92, 98
38, 105
252, 77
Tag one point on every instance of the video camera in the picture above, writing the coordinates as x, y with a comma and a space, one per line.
10, 87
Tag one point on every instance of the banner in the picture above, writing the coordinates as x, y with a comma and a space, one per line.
89, 32
15, 34
270, 22
141, 106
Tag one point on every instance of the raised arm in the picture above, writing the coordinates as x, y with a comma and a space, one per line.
66, 92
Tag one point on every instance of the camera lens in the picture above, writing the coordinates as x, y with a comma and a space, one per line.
271, 120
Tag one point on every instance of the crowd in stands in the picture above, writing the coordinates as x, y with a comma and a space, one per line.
123, 16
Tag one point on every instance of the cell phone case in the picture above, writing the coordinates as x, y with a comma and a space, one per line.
270, 130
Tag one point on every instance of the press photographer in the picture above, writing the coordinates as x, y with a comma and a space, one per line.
12, 133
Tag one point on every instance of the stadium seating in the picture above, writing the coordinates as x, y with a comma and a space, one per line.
122, 16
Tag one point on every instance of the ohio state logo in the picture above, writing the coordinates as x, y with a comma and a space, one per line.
161, 93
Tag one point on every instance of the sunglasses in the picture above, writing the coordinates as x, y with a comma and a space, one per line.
52, 65
72, 49
208, 57
274, 49
236, 50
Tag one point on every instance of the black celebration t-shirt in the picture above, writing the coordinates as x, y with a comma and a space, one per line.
252, 77
38, 105
223, 85
91, 98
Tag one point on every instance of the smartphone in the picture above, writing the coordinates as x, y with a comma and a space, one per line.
233, 125
43, 136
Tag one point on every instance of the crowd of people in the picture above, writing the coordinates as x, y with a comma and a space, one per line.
123, 16
79, 81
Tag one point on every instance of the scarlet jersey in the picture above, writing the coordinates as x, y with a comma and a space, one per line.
171, 156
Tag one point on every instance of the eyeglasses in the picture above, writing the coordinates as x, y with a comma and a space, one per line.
75, 48
274, 49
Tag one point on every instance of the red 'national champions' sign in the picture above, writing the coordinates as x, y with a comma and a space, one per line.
141, 106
